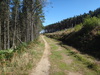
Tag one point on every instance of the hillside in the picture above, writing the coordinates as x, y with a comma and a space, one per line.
83, 37
71, 21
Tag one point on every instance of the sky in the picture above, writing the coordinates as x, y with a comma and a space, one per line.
57, 10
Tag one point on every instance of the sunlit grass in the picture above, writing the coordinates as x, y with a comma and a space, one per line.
81, 63
23, 61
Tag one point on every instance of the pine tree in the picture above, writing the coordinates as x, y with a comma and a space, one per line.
19, 21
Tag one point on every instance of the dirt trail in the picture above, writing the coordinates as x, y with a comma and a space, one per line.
44, 64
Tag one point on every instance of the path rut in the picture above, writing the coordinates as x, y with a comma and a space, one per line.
43, 66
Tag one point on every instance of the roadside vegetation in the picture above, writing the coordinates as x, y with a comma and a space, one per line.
20, 25
84, 36
21, 60
66, 60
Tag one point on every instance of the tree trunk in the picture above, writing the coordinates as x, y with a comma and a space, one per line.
28, 27
8, 41
5, 37
14, 34
32, 38
0, 36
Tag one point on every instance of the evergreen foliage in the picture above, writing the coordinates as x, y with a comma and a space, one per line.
91, 22
20, 21
73, 21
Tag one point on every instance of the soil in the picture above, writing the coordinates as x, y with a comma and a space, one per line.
43, 66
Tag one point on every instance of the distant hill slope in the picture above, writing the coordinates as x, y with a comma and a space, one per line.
71, 22
84, 37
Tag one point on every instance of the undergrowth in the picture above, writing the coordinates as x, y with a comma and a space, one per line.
85, 36
65, 60
21, 60
85, 59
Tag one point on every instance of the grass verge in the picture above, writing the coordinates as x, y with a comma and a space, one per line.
64, 61
23, 60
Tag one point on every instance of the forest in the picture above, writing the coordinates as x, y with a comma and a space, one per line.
20, 25
20, 21
71, 22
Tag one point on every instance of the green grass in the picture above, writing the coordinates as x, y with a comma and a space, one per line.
81, 63
63, 66
6, 54
58, 73
58, 66
56, 55
54, 47
86, 61
78, 27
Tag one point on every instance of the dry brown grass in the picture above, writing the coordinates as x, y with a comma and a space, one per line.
22, 63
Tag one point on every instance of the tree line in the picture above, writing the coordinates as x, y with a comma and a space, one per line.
20, 21
71, 22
